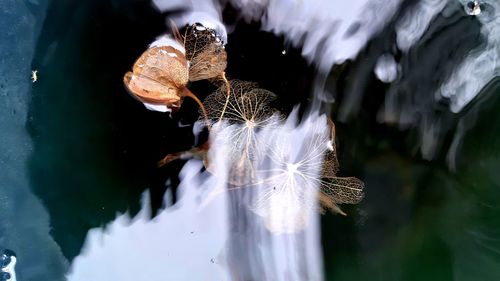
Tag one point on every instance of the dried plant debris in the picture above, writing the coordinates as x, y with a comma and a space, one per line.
337, 190
299, 167
287, 164
331, 163
248, 104
159, 76
289, 167
199, 152
205, 52
244, 113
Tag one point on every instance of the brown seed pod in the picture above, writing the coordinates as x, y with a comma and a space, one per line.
160, 75
205, 53
207, 56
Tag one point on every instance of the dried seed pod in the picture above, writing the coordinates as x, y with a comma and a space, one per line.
160, 75
205, 52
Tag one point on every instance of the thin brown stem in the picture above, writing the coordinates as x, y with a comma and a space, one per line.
200, 152
228, 94
169, 158
187, 93
327, 202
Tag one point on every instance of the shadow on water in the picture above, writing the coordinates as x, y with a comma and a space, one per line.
95, 148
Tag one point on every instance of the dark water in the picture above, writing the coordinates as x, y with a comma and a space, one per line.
95, 148
420, 221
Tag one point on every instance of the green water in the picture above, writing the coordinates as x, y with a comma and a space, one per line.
419, 220
95, 150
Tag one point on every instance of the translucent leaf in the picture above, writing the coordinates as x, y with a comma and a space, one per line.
244, 113
247, 104
205, 52
343, 190
298, 168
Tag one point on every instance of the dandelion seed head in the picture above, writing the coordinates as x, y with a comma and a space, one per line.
246, 112
250, 124
300, 167
292, 168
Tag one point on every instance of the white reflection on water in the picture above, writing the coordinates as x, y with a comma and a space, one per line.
386, 68
216, 234
184, 242
481, 65
206, 12
415, 21
331, 32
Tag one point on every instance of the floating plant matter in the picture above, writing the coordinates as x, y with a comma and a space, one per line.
299, 168
160, 76
205, 53
247, 111
290, 168
337, 190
